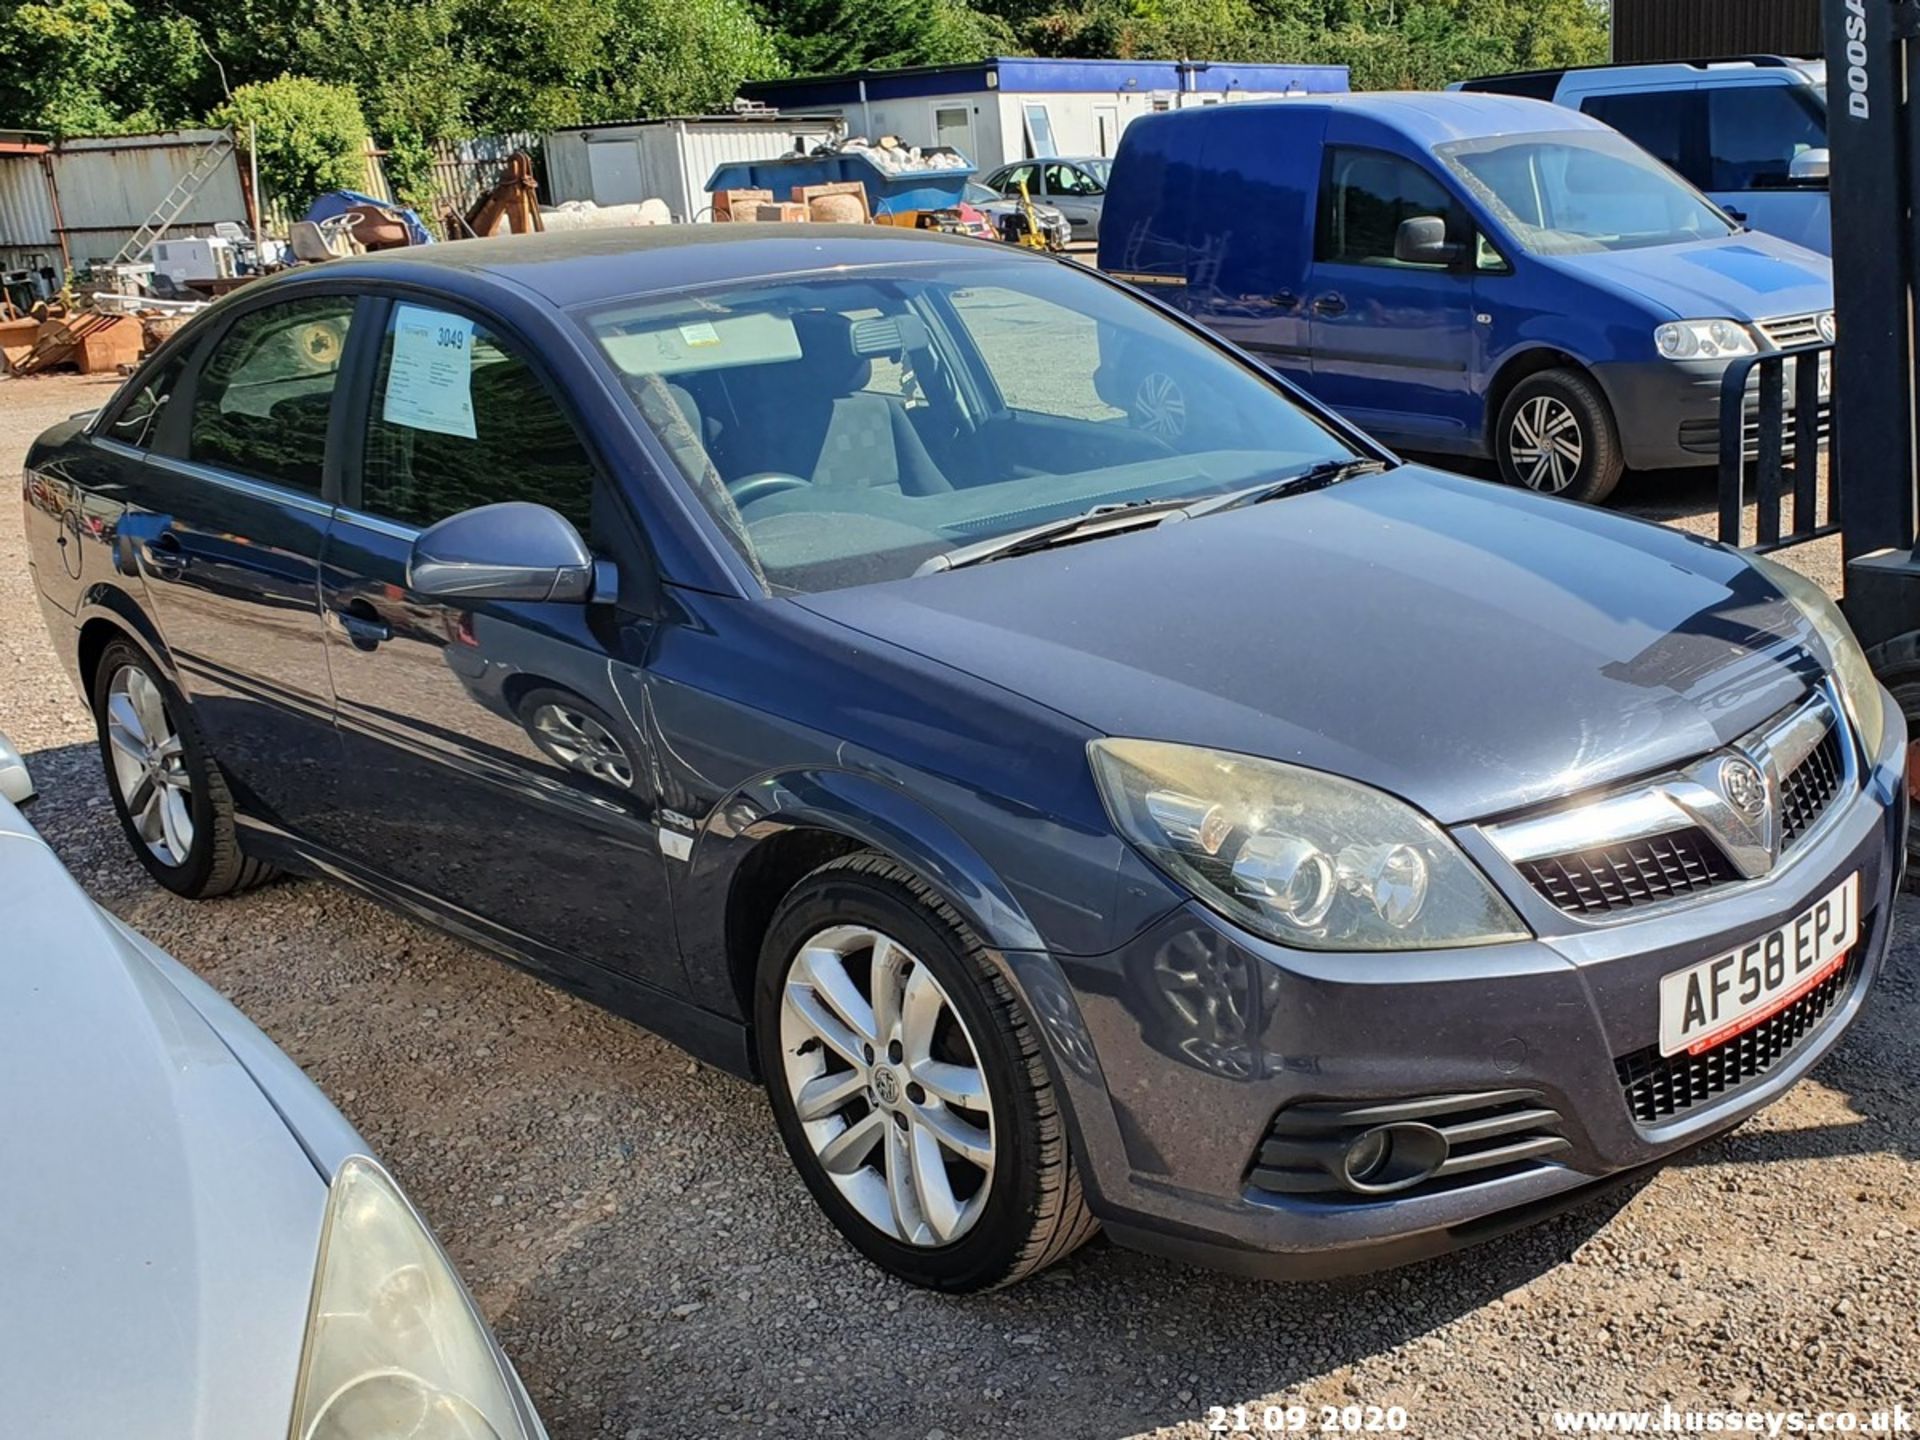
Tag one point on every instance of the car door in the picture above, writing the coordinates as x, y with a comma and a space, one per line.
1393, 342
1076, 195
227, 544
496, 759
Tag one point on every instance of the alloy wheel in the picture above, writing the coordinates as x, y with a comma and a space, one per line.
1161, 406
888, 1085
150, 765
582, 743
1546, 444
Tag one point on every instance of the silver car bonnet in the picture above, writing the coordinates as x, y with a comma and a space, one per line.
158, 1220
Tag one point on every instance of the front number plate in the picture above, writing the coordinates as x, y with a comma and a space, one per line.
1709, 1003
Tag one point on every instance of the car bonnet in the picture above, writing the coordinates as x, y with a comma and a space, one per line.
159, 1223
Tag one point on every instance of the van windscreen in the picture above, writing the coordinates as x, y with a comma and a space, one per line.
1581, 192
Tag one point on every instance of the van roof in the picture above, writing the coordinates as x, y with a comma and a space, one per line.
1429, 117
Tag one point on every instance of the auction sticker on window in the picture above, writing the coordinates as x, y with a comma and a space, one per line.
430, 376
1709, 1003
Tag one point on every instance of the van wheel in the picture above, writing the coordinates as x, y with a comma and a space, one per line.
1556, 435
170, 796
908, 1083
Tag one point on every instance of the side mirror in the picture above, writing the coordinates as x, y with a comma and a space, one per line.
511, 551
1810, 165
16, 785
1422, 240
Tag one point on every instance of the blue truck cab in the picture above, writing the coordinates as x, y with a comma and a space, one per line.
1749, 132
1466, 274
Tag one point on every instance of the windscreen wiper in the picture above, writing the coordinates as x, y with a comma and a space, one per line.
1314, 477
1100, 520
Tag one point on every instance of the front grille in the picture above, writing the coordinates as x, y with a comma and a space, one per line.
1806, 793
1658, 1087
1488, 1134
1638, 872
1788, 331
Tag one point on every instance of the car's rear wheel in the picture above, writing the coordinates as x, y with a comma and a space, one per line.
908, 1083
1556, 435
169, 794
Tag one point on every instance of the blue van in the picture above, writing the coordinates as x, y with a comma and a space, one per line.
1459, 274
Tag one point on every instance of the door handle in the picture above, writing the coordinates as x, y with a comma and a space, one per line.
1287, 300
1330, 305
163, 555
361, 629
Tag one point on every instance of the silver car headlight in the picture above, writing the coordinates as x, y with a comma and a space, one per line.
394, 1345
1704, 339
1305, 858
1859, 690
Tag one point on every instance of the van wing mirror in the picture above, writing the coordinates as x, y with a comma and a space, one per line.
511, 551
1422, 240
1810, 166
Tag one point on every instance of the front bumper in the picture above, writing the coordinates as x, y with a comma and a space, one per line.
1668, 412
1197, 1035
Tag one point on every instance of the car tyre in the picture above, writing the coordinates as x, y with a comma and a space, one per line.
834, 934
167, 790
1555, 434
1897, 663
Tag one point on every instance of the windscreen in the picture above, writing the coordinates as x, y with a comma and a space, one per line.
848, 427
1582, 192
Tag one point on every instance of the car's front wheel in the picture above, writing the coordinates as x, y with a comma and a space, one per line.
908, 1083
170, 796
1556, 435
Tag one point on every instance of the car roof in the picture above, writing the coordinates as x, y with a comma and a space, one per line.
1427, 117
577, 267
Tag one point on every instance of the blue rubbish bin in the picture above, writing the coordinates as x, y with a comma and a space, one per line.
887, 193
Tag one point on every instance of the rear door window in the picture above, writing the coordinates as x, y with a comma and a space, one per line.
1667, 124
262, 400
459, 419
1366, 195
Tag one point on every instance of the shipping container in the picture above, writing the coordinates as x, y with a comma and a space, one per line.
1649, 30
670, 160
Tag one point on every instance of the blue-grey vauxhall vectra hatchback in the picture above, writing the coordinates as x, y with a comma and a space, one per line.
796, 640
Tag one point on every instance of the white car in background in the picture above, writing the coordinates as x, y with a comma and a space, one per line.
196, 1245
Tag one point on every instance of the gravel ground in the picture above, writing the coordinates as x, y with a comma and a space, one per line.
630, 1225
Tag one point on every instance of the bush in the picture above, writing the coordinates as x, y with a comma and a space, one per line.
312, 137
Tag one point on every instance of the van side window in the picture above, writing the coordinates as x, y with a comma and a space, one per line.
139, 416
1664, 123
1755, 131
263, 398
459, 420
1366, 195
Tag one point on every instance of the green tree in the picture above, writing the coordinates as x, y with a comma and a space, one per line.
78, 67
818, 37
311, 136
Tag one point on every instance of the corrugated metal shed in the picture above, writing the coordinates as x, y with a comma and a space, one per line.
27, 238
670, 159
108, 186
1646, 30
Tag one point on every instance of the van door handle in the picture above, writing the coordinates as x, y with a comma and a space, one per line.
360, 628
1330, 305
1287, 300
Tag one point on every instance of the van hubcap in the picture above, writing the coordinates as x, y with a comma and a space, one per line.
1546, 444
888, 1085
149, 765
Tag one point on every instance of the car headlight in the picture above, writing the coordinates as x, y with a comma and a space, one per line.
1859, 690
394, 1346
1704, 339
1305, 858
